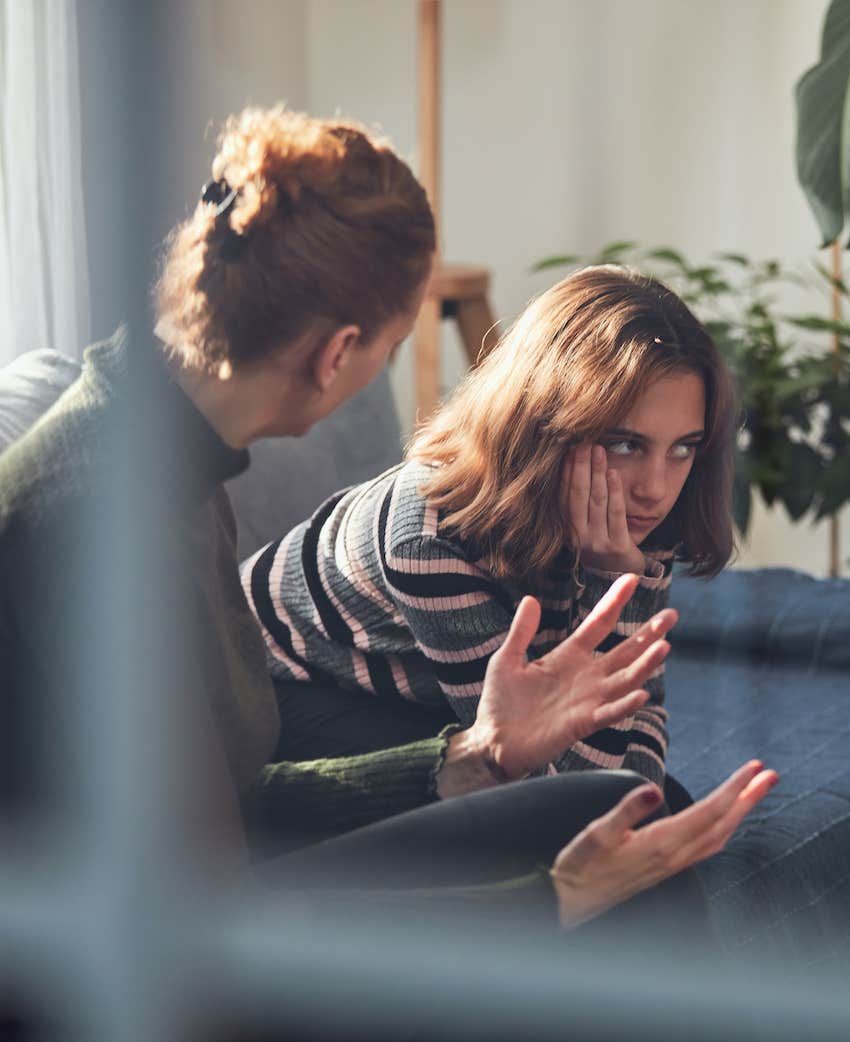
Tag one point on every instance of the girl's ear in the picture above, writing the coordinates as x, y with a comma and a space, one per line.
332, 355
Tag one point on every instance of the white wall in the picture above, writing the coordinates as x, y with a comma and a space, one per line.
566, 124
570, 123
216, 57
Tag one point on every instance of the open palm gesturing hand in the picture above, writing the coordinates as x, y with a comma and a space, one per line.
530, 712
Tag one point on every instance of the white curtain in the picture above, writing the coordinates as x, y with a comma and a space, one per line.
44, 293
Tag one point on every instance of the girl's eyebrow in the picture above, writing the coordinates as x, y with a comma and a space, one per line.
624, 432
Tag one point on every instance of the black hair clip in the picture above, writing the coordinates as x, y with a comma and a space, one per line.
221, 195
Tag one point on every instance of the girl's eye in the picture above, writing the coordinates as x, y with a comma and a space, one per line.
622, 448
683, 451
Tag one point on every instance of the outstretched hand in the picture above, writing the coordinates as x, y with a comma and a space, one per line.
611, 860
593, 501
530, 712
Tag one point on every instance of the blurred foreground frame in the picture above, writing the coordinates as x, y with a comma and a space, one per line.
112, 926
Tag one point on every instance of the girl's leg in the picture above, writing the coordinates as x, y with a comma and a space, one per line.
319, 721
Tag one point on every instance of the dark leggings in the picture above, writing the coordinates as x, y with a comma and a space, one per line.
481, 839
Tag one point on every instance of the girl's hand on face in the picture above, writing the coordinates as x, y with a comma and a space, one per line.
596, 507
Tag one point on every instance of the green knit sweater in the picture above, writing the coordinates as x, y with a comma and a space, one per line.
123, 450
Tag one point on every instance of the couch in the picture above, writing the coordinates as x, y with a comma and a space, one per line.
760, 667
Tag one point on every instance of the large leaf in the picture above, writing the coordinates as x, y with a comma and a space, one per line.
561, 260
613, 252
835, 487
834, 282
823, 134
667, 253
742, 501
801, 479
818, 324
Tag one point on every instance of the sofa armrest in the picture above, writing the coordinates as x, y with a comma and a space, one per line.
771, 614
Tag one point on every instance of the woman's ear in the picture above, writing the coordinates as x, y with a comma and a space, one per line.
332, 355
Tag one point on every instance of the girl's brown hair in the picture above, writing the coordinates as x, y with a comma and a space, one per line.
326, 223
572, 366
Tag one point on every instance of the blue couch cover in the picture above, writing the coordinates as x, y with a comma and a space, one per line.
761, 668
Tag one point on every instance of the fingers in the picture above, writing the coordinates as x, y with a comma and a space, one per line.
630, 811
523, 627
618, 529
579, 491
705, 828
719, 834
639, 671
718, 802
740, 793
758, 788
613, 712
566, 484
608, 831
597, 508
652, 630
603, 618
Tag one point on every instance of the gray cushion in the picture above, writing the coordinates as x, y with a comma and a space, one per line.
290, 477
28, 387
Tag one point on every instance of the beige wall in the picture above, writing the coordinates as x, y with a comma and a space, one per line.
570, 123
567, 123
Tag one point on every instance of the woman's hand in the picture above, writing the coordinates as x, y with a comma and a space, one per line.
530, 712
594, 503
611, 861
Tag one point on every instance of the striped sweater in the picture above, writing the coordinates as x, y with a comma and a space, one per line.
371, 595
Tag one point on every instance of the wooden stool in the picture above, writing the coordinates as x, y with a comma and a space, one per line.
464, 296
459, 293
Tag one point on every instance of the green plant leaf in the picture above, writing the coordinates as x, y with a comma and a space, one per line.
787, 386
735, 258
742, 502
614, 250
801, 479
835, 486
818, 324
561, 260
825, 273
667, 253
823, 142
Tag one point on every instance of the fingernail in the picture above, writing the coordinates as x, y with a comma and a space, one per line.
651, 797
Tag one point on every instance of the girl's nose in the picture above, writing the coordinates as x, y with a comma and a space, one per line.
652, 482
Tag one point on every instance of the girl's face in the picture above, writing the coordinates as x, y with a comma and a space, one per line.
653, 448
